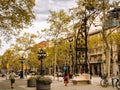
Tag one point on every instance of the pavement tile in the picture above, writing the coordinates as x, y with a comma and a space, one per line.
21, 84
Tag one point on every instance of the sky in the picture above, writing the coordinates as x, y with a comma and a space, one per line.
41, 11
42, 8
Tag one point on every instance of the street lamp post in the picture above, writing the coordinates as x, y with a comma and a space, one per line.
41, 56
22, 61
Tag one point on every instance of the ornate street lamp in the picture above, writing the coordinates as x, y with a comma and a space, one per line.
41, 56
21, 72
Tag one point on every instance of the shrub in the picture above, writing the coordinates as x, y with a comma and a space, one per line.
32, 78
43, 80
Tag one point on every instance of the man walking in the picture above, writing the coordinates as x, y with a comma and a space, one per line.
12, 79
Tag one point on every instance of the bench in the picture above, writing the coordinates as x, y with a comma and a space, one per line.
81, 79
79, 82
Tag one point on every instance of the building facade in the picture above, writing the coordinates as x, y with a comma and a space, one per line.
97, 62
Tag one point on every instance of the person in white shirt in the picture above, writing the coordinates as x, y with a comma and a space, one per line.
12, 79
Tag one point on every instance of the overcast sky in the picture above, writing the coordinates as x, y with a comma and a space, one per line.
42, 8
41, 11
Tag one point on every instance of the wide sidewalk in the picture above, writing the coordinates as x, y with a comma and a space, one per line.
59, 85
95, 85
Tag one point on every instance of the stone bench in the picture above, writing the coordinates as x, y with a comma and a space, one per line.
81, 79
79, 82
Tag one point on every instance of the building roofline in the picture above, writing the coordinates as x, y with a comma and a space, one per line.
98, 31
115, 9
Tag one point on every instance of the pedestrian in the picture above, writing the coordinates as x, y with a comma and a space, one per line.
66, 77
12, 79
7, 75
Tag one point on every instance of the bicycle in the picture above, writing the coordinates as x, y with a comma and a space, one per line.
114, 80
105, 81
118, 83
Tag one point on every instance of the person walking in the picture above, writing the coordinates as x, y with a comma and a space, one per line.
12, 79
66, 77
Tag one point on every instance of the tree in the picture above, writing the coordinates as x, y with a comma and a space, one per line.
10, 60
94, 42
58, 28
104, 8
15, 15
33, 60
14, 63
25, 44
114, 38
6, 58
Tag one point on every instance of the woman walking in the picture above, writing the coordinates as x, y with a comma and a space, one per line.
66, 78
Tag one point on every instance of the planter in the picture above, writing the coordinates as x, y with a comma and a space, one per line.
43, 83
41, 86
31, 82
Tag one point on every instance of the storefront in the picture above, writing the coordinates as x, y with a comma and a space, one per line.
95, 68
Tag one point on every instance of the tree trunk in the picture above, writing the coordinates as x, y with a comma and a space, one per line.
107, 56
55, 61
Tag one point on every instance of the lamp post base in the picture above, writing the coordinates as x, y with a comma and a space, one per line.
21, 75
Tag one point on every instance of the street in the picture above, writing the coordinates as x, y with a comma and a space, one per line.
21, 84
